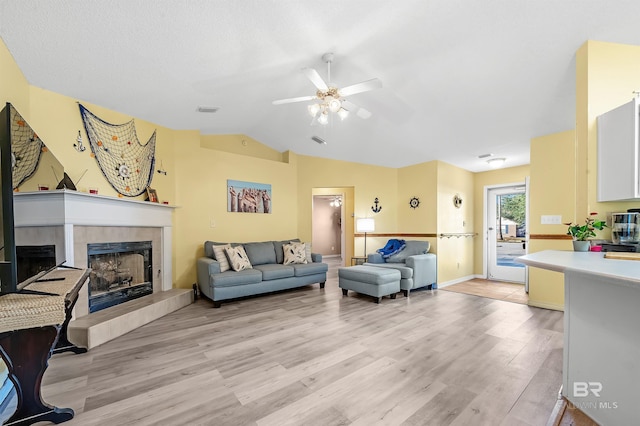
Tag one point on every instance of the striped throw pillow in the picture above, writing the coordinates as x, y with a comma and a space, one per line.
221, 257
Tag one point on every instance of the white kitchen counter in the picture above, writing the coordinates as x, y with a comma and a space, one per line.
590, 262
601, 354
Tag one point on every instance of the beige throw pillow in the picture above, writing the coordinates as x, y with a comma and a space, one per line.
294, 253
221, 257
238, 258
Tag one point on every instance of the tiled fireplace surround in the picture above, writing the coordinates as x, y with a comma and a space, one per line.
70, 220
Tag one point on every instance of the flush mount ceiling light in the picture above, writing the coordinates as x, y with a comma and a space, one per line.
331, 99
494, 163
207, 109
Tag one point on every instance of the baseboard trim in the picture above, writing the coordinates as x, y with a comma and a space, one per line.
544, 305
456, 281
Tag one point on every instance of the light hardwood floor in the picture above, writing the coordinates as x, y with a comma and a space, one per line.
509, 292
313, 357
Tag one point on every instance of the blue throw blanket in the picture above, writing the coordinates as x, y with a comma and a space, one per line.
392, 247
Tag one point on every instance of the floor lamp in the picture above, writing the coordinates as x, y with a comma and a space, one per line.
365, 224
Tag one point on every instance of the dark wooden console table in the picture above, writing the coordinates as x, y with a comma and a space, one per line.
29, 328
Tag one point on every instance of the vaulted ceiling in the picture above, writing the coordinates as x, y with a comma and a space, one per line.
461, 78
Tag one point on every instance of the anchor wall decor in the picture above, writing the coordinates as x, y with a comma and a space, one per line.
377, 207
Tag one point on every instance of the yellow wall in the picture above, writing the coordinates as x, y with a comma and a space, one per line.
552, 192
419, 181
13, 86
240, 144
456, 254
482, 180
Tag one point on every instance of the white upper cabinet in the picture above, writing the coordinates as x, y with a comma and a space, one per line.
618, 177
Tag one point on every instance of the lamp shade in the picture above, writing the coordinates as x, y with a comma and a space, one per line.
365, 224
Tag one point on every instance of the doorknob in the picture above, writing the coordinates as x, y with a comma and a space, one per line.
490, 229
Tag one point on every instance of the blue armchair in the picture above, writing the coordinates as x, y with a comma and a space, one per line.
417, 267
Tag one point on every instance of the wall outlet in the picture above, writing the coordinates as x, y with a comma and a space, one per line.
212, 223
551, 219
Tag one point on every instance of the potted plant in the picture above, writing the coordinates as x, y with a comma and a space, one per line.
582, 233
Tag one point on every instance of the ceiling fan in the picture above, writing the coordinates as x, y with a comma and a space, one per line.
331, 98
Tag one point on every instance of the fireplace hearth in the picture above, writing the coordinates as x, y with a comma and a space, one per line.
120, 272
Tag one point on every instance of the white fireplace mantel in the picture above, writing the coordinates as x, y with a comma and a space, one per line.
71, 208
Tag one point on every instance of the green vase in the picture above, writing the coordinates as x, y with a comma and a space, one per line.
581, 245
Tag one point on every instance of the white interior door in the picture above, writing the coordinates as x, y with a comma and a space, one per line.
506, 233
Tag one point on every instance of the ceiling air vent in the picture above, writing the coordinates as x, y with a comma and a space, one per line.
208, 109
318, 140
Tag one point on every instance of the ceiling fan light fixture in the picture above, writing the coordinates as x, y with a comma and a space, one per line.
333, 103
331, 99
313, 109
343, 113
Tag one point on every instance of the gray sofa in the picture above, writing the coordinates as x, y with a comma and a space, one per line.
267, 273
417, 267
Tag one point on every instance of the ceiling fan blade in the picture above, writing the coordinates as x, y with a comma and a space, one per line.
359, 111
290, 100
315, 78
364, 86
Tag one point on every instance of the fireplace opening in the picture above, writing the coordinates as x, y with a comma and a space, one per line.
119, 272
30, 260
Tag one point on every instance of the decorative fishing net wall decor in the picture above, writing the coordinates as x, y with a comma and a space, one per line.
26, 149
127, 164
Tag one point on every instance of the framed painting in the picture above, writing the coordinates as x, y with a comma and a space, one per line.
248, 197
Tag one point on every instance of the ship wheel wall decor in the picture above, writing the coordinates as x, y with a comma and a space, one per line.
125, 163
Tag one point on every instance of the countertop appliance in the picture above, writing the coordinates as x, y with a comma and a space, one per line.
625, 232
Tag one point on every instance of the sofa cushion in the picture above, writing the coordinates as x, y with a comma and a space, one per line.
294, 253
238, 258
277, 245
405, 271
232, 278
274, 271
411, 248
260, 253
304, 269
221, 257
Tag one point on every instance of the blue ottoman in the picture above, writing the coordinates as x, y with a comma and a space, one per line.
370, 280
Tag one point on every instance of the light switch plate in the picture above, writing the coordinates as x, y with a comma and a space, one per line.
551, 219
